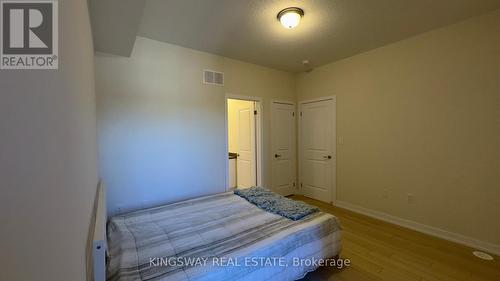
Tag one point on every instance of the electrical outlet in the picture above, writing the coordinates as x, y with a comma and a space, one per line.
411, 199
120, 209
145, 203
385, 193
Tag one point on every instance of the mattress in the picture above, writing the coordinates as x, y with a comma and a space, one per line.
217, 237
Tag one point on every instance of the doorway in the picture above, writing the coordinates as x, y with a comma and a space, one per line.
243, 120
317, 149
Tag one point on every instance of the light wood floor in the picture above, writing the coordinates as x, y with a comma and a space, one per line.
383, 251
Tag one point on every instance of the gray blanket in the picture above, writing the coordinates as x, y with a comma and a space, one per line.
275, 203
209, 229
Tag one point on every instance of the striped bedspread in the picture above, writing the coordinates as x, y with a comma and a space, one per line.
218, 237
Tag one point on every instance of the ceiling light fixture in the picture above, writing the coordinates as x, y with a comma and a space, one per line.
290, 17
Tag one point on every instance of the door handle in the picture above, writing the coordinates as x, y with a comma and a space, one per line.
327, 157
277, 155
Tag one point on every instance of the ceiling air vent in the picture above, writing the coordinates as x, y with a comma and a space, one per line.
213, 77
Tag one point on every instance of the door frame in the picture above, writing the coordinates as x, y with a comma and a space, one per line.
333, 198
258, 135
295, 158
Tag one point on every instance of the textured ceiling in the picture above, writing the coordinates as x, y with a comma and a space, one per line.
330, 29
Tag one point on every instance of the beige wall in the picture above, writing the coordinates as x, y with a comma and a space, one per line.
48, 159
418, 117
162, 131
422, 117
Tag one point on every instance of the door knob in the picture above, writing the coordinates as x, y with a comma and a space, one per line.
327, 157
277, 155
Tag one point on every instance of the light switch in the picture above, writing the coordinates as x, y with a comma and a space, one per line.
411, 199
385, 193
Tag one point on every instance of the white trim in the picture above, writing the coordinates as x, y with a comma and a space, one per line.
259, 106
334, 144
333, 97
430, 230
97, 246
243, 97
259, 135
283, 101
226, 142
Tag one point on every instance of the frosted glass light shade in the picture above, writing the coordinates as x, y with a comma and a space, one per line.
290, 17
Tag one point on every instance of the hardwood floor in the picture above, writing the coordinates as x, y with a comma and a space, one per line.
383, 251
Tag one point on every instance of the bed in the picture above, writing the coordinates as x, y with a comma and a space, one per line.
217, 237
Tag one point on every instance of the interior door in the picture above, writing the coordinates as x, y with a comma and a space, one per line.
318, 149
283, 148
246, 165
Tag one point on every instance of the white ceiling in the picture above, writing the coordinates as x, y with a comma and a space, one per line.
249, 31
115, 24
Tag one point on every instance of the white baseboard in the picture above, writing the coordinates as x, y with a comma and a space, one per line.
430, 230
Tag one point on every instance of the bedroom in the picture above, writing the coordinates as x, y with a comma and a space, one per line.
384, 114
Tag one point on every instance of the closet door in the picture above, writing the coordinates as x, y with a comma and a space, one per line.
283, 148
318, 149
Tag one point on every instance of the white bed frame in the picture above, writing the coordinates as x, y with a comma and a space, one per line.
96, 246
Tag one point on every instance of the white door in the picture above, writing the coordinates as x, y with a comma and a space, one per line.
283, 148
245, 165
318, 149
